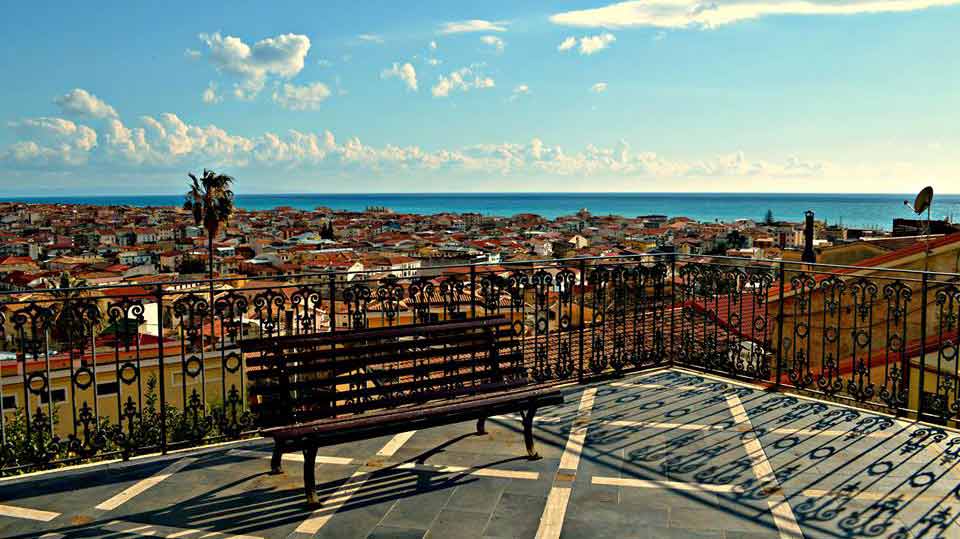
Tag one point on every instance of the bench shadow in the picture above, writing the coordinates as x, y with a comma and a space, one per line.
241, 507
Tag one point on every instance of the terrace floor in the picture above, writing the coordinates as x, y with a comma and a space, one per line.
666, 454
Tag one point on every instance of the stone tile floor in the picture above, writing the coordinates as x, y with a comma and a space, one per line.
658, 455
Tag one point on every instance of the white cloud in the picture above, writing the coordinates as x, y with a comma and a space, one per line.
567, 44
371, 38
166, 142
79, 102
405, 72
474, 25
192, 54
588, 44
518, 91
50, 141
711, 14
599, 88
463, 79
737, 165
306, 97
433, 45
281, 56
495, 42
210, 95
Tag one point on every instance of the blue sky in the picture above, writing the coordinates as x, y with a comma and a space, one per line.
658, 95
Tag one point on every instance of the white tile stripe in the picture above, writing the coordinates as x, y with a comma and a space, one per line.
170, 532
292, 457
395, 444
329, 506
671, 485
783, 516
551, 521
27, 513
485, 472
571, 453
144, 484
440, 469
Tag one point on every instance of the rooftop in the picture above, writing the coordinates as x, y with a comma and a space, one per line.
660, 454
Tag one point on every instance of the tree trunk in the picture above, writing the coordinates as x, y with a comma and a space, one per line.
210, 254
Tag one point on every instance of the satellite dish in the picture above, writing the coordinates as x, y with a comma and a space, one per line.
923, 200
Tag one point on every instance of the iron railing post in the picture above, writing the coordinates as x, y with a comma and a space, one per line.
473, 291
673, 310
332, 317
780, 317
924, 290
583, 319
160, 367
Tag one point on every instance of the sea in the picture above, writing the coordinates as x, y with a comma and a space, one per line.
853, 210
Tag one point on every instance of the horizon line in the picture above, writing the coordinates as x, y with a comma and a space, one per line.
476, 193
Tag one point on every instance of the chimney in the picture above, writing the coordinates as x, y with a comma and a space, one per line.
809, 256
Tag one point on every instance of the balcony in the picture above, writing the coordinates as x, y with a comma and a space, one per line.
705, 397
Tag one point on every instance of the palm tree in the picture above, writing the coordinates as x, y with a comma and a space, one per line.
211, 201
78, 317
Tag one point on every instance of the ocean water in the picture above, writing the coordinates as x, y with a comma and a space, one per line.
858, 210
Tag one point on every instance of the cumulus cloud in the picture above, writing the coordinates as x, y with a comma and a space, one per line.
474, 25
210, 95
306, 97
463, 79
50, 141
405, 73
280, 56
711, 14
495, 42
587, 44
599, 88
166, 142
79, 102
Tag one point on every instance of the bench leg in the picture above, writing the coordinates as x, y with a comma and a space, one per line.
275, 460
527, 416
309, 478
481, 421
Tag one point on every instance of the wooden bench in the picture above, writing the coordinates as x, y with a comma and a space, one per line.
329, 388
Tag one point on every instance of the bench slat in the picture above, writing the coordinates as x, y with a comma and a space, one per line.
353, 335
545, 396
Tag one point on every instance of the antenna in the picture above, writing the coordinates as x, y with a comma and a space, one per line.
920, 204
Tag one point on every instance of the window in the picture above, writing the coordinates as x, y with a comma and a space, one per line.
59, 395
107, 388
9, 402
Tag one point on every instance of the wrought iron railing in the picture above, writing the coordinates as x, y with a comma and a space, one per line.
106, 372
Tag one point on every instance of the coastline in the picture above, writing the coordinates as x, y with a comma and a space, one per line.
875, 211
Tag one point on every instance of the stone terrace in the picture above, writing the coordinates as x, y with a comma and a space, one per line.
668, 454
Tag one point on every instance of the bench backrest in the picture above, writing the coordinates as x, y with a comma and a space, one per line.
303, 377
